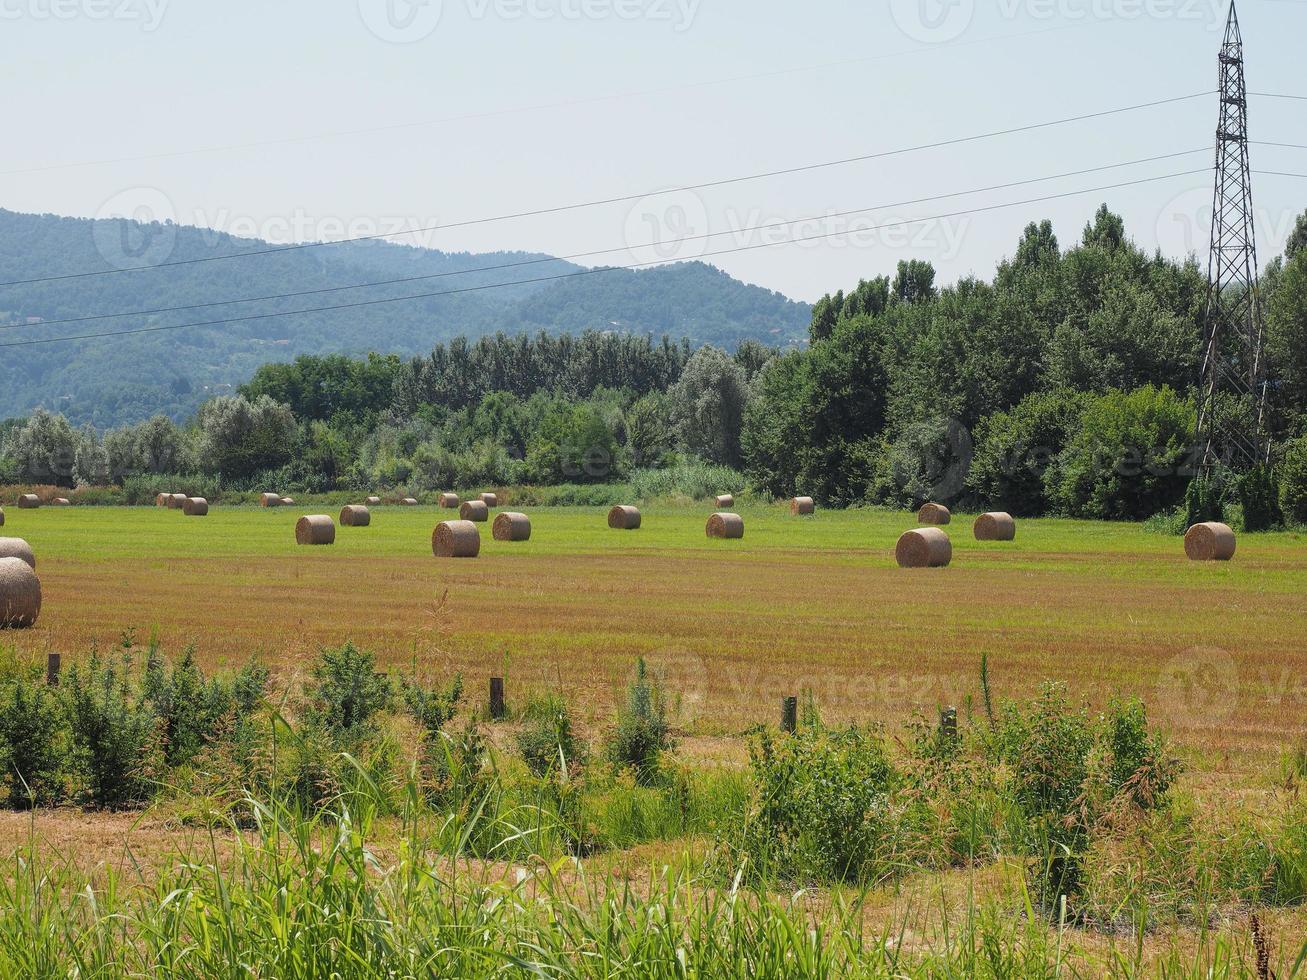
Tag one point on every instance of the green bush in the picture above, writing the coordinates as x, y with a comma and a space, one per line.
1259, 494
345, 691
33, 742
1128, 458
1204, 501
1293, 481
546, 741
116, 754
431, 707
1013, 451
641, 735
693, 478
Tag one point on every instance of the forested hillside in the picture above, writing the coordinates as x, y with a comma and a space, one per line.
110, 381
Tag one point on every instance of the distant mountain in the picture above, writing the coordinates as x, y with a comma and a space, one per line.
108, 381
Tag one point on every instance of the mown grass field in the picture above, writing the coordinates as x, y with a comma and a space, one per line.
1218, 651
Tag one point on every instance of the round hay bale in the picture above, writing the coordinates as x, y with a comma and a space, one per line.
934, 514
20, 594
373, 501
489, 499
996, 526
409, 502
196, 507
1209, 542
17, 548
269, 500
178, 501
924, 547
456, 539
474, 510
624, 518
725, 526
161, 499
449, 501
511, 526
315, 529
355, 515
288, 501
803, 506
61, 502
725, 500
29, 501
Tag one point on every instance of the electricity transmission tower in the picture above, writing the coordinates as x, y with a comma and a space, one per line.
1232, 402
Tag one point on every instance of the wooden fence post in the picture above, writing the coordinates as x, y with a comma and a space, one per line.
52, 663
497, 710
789, 715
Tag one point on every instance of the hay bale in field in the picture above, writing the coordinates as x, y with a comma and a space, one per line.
489, 499
934, 514
474, 510
802, 506
409, 502
20, 594
288, 501
373, 501
29, 501
355, 515
315, 529
722, 525
456, 539
17, 548
624, 518
511, 526
161, 499
449, 501
61, 502
178, 501
1209, 542
269, 500
924, 547
725, 500
196, 507
995, 526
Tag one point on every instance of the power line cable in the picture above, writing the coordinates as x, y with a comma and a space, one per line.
608, 251
807, 168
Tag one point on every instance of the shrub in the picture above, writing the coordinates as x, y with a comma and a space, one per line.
1015, 448
194, 711
1293, 482
33, 742
641, 735
546, 741
824, 808
431, 707
345, 692
116, 753
692, 478
1203, 503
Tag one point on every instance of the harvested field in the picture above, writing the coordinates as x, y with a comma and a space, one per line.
1106, 607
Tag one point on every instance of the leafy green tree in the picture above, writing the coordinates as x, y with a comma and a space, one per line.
1129, 457
1293, 481
239, 437
914, 282
649, 434
574, 445
1014, 449
707, 406
1286, 326
44, 449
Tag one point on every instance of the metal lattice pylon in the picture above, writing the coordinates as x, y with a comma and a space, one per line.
1231, 407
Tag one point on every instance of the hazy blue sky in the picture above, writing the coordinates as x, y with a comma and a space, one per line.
483, 107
